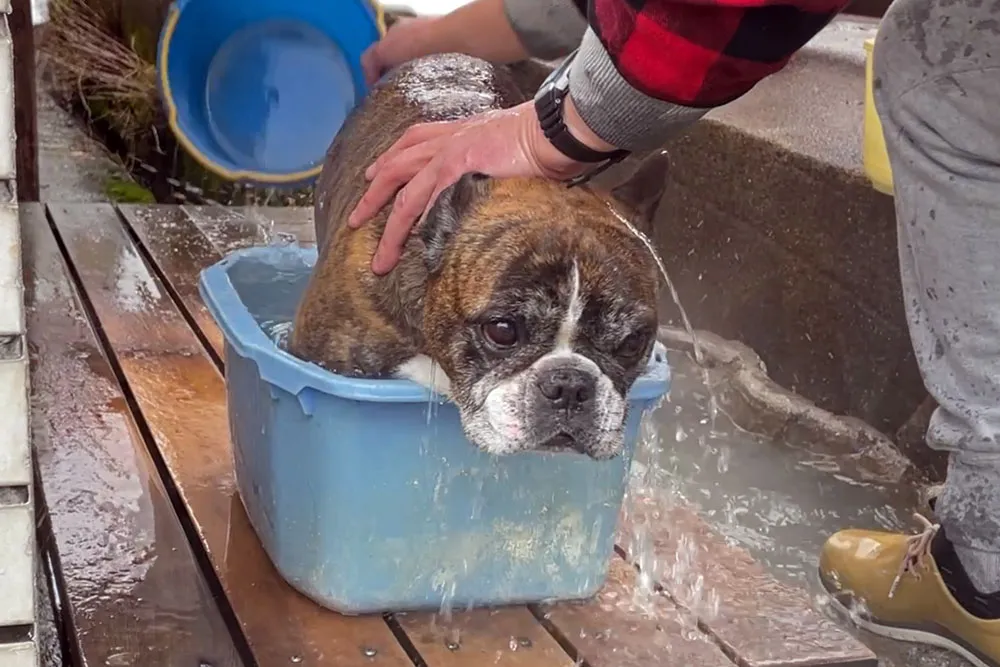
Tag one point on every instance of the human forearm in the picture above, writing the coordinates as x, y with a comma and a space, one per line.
480, 28
642, 75
504, 31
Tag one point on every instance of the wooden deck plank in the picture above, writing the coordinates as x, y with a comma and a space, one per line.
168, 230
432, 638
626, 629
487, 633
228, 228
762, 621
181, 395
510, 637
131, 585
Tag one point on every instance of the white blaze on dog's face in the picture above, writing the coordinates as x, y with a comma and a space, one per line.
541, 311
564, 357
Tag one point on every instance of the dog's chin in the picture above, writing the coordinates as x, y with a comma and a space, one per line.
504, 422
606, 448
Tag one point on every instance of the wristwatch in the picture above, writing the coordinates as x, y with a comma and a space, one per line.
550, 108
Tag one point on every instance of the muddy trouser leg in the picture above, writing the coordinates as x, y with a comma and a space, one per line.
937, 90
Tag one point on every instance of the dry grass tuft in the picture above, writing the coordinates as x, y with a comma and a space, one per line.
88, 63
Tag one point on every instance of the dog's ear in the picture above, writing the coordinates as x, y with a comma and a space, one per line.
446, 215
642, 191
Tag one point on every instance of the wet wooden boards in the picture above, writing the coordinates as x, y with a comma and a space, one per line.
138, 269
512, 633
130, 583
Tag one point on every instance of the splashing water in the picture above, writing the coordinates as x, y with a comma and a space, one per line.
699, 353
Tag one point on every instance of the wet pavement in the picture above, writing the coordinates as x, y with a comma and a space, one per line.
778, 500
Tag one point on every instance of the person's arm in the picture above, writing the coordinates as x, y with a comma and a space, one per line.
501, 31
479, 29
547, 29
641, 75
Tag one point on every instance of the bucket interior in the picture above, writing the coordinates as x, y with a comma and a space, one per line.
261, 88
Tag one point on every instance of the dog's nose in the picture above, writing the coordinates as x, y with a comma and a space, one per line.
567, 388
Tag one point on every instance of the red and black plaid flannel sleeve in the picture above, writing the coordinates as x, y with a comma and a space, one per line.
704, 53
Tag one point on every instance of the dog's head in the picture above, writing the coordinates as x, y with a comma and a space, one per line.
540, 307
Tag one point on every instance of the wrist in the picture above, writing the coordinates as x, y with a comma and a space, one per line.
552, 160
581, 131
565, 130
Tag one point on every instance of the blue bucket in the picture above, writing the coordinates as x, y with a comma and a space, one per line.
255, 90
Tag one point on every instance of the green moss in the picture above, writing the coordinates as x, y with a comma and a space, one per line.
121, 191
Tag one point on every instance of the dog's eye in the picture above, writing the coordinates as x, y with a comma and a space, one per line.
632, 346
502, 333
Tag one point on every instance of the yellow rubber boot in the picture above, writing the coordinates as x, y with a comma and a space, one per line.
909, 588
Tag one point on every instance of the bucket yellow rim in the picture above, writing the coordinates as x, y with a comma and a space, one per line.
168, 98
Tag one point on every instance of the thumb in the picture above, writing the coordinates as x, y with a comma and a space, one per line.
371, 64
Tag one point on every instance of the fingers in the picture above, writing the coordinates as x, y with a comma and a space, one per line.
370, 64
410, 202
393, 175
407, 208
417, 134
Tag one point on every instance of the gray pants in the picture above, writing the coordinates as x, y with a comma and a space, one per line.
937, 91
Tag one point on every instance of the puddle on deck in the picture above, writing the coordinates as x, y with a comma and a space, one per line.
778, 500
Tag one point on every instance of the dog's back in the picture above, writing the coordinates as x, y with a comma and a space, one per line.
437, 88
373, 329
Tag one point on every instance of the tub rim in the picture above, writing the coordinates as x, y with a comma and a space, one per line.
293, 375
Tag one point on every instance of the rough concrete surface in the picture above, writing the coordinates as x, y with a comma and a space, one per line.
73, 167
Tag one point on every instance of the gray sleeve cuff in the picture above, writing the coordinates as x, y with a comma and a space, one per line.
548, 29
614, 110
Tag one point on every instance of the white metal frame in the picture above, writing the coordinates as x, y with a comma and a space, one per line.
18, 550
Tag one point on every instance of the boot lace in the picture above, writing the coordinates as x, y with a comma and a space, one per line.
918, 548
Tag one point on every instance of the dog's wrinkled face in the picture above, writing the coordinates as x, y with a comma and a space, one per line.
542, 315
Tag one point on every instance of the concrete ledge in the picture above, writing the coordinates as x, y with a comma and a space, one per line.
18, 551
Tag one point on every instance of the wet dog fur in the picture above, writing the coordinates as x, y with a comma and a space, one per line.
554, 265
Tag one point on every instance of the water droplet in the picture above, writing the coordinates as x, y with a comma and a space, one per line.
369, 652
452, 646
524, 642
513, 643
296, 659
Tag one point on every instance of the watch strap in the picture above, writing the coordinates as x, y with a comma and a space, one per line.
550, 107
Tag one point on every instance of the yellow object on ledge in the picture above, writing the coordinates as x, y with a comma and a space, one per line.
876, 159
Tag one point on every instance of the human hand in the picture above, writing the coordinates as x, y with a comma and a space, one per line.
405, 40
431, 156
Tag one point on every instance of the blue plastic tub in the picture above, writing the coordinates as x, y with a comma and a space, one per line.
256, 90
366, 494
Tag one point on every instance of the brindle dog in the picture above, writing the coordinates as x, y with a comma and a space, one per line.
532, 305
